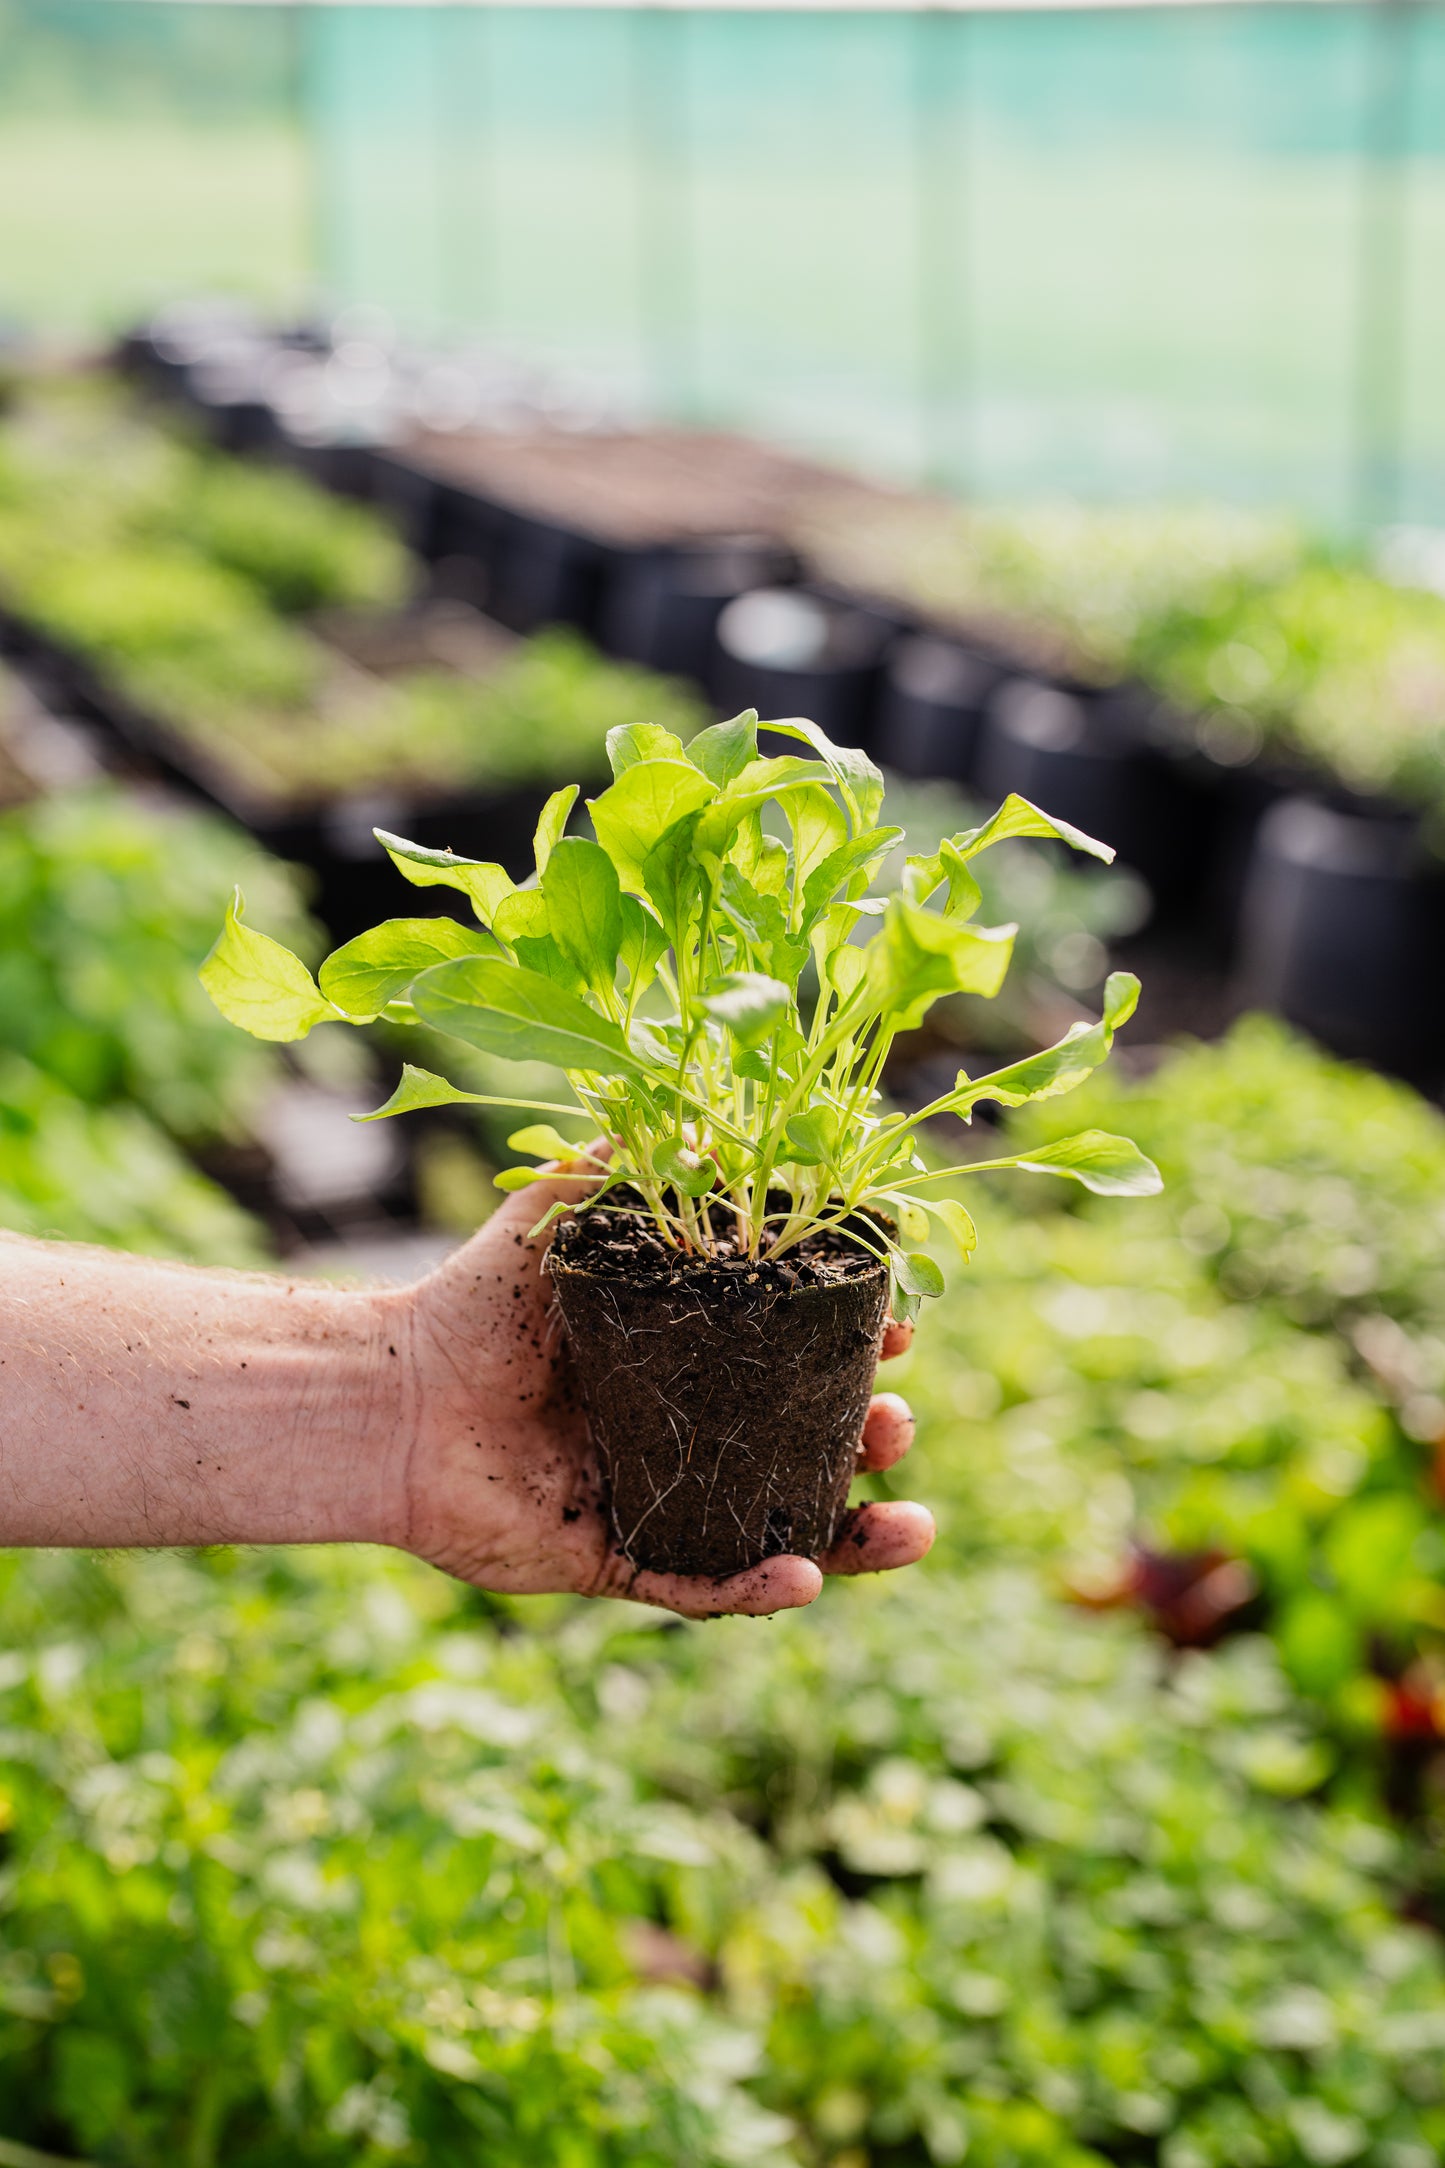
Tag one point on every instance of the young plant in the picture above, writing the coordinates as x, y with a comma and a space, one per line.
722, 1001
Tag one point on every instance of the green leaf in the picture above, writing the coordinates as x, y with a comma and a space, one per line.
749, 1004
858, 855
752, 1063
760, 859
1370, 1549
918, 957
512, 1178
419, 1088
646, 801
859, 780
551, 825
916, 1273
964, 894
819, 829
846, 969
921, 876
673, 879
644, 942
813, 1136
913, 1223
519, 1014
367, 973
763, 923
524, 923
1318, 1641
1058, 1068
958, 1222
628, 743
1109, 1166
727, 748
584, 909
484, 883
692, 1172
522, 916
1016, 817
544, 1142
260, 985
750, 789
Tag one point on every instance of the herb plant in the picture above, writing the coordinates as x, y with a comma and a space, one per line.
663, 968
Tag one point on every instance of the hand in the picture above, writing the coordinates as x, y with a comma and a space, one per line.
501, 1485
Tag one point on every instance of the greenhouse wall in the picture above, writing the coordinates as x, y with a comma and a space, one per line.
1119, 251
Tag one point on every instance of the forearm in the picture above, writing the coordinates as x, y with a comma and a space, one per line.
148, 1403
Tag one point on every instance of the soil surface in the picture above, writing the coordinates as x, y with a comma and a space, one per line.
649, 486
726, 1395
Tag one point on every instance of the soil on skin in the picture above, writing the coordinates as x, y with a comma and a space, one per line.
726, 1396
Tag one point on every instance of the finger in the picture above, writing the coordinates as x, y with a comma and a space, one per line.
779, 1584
897, 1338
887, 1432
875, 1539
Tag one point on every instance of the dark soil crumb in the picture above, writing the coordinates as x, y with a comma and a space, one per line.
618, 1240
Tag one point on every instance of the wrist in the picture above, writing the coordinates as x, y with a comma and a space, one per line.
353, 1441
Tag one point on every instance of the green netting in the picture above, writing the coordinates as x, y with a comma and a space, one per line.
1125, 252
147, 150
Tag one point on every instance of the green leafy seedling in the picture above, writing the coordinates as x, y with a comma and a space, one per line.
660, 967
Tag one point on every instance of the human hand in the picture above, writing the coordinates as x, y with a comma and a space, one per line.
500, 1485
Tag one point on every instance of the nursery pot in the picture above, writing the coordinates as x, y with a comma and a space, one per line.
1084, 756
786, 651
1342, 931
725, 1398
934, 695
661, 605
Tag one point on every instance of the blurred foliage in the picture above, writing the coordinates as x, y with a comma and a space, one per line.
1253, 633
82, 462
86, 1173
107, 906
179, 575
309, 1861
110, 1054
1076, 585
1261, 1352
1334, 664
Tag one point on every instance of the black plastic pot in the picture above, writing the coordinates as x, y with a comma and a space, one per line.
788, 651
1342, 933
338, 845
546, 572
661, 606
1085, 757
932, 704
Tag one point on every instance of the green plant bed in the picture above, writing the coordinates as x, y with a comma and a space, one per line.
1266, 1372
182, 581
1257, 637
1066, 587
106, 906
81, 459
1332, 665
78, 1172
312, 1863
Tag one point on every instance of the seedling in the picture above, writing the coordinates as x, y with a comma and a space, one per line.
720, 997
